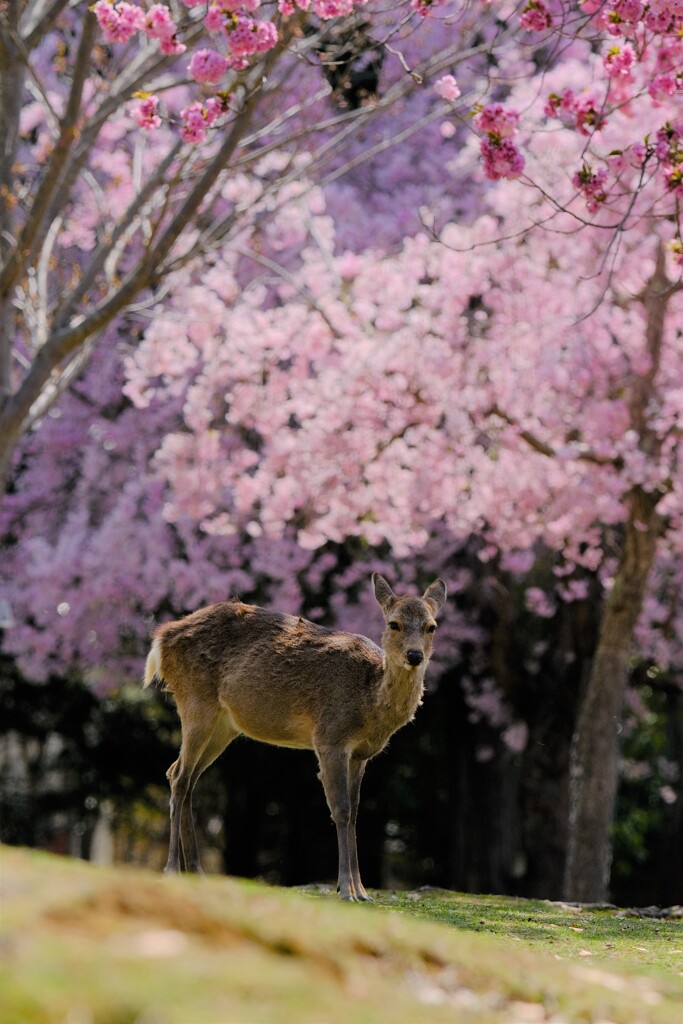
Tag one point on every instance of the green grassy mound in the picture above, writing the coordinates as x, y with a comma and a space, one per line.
82, 945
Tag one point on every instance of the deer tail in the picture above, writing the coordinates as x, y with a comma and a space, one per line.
153, 663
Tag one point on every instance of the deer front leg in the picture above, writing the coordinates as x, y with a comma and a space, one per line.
334, 775
356, 772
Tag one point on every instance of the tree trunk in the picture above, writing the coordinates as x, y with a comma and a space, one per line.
595, 747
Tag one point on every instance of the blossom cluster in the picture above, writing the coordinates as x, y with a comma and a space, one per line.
501, 157
667, 80
145, 114
425, 7
207, 66
618, 18
536, 17
669, 151
591, 185
619, 61
582, 112
120, 21
625, 17
198, 117
664, 16
447, 88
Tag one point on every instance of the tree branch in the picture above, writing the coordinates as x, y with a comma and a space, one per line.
39, 20
543, 448
105, 248
34, 229
63, 342
11, 81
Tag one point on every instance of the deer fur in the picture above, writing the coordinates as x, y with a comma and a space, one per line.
237, 669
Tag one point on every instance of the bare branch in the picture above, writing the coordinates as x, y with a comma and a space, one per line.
39, 19
291, 280
581, 452
11, 80
65, 341
107, 245
57, 384
34, 228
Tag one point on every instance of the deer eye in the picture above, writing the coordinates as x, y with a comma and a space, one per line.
431, 628
394, 625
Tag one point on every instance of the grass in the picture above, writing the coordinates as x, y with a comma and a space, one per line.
82, 945
600, 936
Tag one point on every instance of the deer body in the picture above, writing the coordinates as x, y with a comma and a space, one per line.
236, 669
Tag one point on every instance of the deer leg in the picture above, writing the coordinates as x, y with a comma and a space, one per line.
221, 736
334, 775
197, 729
356, 772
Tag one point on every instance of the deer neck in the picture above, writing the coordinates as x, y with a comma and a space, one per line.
402, 688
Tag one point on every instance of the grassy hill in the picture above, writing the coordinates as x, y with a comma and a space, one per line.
82, 945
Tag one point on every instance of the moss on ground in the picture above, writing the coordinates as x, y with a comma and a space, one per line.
82, 945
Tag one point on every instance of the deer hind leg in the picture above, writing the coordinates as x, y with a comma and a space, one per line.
198, 725
334, 775
222, 735
356, 772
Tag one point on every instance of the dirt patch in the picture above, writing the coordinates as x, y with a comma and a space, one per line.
106, 909
162, 921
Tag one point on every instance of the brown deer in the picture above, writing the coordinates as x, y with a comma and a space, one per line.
236, 669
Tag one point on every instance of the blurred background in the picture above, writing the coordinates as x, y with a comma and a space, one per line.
366, 350
473, 795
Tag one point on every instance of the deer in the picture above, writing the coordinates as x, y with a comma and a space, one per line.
237, 669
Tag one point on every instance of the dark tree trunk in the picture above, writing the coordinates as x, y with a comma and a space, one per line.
548, 704
595, 747
671, 880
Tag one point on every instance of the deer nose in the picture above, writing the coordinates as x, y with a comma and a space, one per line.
415, 657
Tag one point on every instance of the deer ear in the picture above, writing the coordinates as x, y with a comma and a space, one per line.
435, 594
383, 592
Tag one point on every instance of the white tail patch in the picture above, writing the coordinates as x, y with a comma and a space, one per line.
153, 663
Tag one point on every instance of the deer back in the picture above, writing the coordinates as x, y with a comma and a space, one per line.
281, 679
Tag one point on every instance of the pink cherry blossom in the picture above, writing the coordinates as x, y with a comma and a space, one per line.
237, 5
591, 184
619, 61
171, 46
194, 123
216, 20
249, 36
502, 159
145, 113
495, 120
207, 66
159, 23
425, 7
214, 108
447, 88
119, 22
583, 111
536, 16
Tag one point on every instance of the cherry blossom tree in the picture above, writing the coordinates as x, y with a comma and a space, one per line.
123, 131
336, 381
94, 217
387, 394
